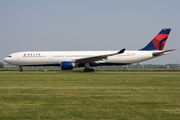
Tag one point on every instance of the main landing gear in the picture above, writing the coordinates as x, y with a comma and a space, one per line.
88, 70
20, 68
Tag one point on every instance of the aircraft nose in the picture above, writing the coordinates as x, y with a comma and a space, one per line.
5, 59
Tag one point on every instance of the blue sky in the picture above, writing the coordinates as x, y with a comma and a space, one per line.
64, 25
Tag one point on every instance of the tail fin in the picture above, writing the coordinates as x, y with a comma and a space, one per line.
159, 41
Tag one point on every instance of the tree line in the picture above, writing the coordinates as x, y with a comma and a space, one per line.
1, 65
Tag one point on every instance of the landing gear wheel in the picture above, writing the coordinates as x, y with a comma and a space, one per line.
20, 68
91, 70
88, 70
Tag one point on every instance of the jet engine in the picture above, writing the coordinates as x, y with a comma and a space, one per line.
66, 65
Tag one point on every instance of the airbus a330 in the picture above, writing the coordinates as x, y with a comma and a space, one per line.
68, 60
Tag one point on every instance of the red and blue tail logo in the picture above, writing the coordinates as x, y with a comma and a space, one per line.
159, 41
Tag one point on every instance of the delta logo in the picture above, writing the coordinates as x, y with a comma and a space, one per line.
31, 54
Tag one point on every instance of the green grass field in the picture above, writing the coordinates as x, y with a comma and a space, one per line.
75, 95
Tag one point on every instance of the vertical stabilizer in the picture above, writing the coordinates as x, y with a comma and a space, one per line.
159, 41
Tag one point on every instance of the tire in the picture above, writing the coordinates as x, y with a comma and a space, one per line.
91, 70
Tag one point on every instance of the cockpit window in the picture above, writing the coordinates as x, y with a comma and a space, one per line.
9, 56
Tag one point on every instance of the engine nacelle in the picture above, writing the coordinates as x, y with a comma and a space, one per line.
66, 65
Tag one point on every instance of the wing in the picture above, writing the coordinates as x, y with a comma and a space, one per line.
155, 54
96, 58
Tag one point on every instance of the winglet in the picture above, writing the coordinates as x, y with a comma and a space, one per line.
121, 51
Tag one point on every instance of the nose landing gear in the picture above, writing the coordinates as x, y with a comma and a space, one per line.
20, 68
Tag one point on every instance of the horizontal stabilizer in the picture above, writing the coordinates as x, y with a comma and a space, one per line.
155, 54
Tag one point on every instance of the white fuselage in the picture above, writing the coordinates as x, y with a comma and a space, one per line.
56, 57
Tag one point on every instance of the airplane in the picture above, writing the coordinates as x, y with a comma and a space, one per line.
68, 60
